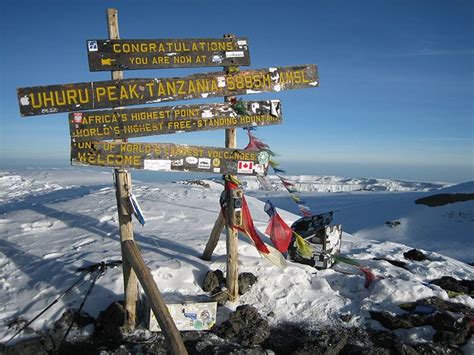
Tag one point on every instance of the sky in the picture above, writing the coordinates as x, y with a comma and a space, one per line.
396, 95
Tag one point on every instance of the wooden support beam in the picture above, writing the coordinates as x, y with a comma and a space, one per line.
214, 238
232, 272
123, 186
172, 335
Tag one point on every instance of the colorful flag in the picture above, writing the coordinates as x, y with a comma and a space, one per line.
279, 232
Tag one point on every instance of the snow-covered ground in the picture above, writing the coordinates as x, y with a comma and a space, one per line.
448, 229
53, 221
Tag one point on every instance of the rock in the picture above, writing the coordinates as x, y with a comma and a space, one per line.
245, 326
346, 317
469, 284
246, 280
414, 254
392, 224
110, 323
83, 319
220, 276
448, 338
210, 282
220, 296
328, 342
449, 283
438, 304
390, 321
40, 345
397, 263
436, 349
442, 321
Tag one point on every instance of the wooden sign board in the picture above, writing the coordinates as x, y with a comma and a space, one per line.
42, 100
125, 54
128, 123
170, 157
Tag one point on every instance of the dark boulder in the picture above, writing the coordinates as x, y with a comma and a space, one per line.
244, 326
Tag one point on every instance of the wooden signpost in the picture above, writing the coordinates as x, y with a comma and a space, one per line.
41, 100
124, 54
100, 138
170, 157
140, 122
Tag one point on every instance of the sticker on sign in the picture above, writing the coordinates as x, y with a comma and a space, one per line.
157, 164
245, 167
189, 316
235, 54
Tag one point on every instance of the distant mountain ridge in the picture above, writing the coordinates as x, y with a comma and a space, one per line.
314, 183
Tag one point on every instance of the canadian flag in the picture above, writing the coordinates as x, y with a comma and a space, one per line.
245, 167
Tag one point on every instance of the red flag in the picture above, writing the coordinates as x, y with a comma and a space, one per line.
279, 232
369, 276
247, 226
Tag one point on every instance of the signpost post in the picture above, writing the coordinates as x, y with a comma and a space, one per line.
123, 186
100, 138
132, 260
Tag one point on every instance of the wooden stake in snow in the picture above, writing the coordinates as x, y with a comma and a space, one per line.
158, 305
231, 235
123, 185
133, 263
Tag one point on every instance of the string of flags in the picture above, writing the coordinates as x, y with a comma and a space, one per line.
280, 233
248, 228
256, 144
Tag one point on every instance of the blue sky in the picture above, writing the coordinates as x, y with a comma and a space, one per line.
395, 99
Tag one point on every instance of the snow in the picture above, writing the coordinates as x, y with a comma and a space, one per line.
313, 183
448, 229
53, 221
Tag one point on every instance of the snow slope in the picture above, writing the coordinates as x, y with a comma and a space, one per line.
53, 221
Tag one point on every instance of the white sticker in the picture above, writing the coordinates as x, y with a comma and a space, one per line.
242, 42
25, 100
92, 45
217, 170
77, 117
254, 106
207, 114
245, 167
204, 163
156, 164
275, 107
191, 160
221, 81
217, 59
259, 169
189, 316
234, 54
178, 162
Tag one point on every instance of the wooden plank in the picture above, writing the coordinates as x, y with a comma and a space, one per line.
42, 100
140, 122
158, 305
170, 157
129, 54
